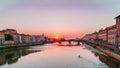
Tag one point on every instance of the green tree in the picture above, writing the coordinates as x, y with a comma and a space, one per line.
8, 37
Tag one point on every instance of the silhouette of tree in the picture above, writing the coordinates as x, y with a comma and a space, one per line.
8, 37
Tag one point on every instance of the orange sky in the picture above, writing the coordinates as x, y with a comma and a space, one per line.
52, 35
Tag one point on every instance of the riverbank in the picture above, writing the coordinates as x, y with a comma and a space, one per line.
13, 46
106, 51
109, 53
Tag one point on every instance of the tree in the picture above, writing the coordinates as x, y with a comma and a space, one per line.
8, 37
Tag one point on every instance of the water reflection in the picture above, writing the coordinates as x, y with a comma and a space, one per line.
112, 63
12, 56
52, 56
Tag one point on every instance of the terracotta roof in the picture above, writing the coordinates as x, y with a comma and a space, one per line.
11, 29
110, 27
102, 30
117, 16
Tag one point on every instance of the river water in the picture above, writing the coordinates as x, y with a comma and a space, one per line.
56, 56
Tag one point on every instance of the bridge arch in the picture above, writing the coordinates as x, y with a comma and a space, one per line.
70, 41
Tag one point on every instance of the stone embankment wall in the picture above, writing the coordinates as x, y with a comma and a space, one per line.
109, 53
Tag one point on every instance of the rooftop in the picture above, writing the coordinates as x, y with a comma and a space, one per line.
111, 27
117, 16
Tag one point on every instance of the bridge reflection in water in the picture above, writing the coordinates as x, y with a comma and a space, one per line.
11, 56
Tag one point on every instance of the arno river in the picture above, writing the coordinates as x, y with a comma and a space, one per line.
56, 56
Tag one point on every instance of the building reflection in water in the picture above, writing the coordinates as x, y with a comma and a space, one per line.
12, 56
111, 62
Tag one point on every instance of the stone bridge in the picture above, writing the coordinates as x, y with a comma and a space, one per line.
70, 41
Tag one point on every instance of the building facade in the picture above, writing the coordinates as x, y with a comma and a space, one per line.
118, 30
9, 36
25, 38
93, 37
102, 35
86, 37
112, 32
2, 38
33, 39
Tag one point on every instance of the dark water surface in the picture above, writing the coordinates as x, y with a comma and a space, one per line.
54, 56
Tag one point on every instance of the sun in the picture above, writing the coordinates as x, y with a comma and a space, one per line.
56, 37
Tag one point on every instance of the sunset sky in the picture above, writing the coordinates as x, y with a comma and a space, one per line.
66, 18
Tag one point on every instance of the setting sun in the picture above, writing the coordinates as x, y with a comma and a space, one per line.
56, 37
